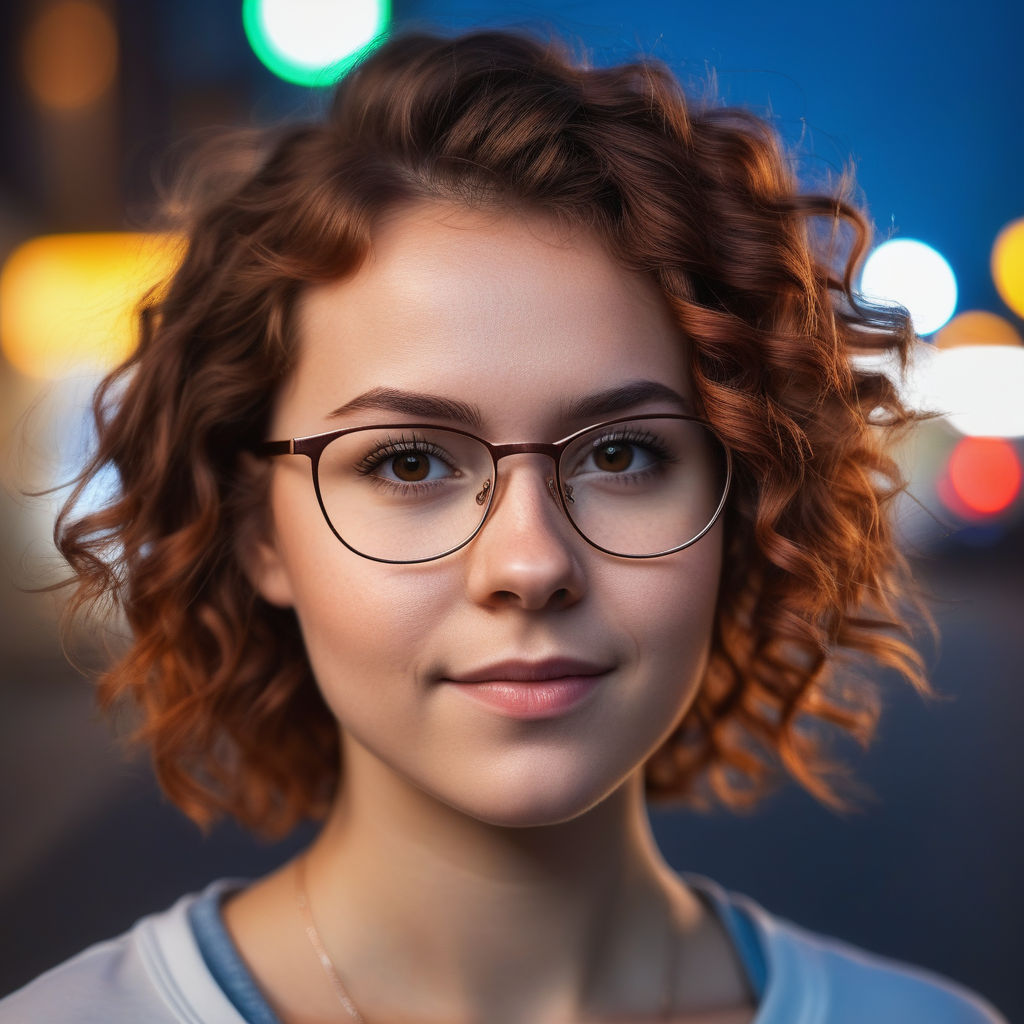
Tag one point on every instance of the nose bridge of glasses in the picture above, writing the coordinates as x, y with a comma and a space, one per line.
499, 451
552, 451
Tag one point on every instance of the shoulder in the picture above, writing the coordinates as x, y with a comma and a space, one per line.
857, 985
808, 976
105, 982
154, 973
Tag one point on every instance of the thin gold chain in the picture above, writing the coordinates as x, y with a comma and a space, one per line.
327, 963
317, 943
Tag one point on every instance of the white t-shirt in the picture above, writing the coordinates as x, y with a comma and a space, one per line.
156, 973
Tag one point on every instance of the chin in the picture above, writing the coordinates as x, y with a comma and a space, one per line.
529, 803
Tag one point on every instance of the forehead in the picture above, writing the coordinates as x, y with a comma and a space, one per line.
509, 311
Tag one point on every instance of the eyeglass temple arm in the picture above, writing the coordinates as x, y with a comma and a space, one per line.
275, 448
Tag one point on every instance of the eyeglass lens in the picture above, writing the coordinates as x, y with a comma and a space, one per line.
635, 488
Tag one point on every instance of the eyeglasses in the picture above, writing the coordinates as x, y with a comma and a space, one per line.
635, 487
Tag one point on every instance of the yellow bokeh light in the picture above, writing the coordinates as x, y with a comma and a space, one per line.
67, 301
977, 327
69, 54
1008, 265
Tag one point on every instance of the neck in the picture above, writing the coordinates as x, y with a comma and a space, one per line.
429, 913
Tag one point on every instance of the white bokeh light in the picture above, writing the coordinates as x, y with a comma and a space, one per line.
300, 38
976, 388
979, 388
916, 276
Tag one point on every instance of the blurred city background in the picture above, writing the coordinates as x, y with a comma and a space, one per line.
924, 101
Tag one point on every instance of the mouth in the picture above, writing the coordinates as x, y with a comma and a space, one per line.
531, 689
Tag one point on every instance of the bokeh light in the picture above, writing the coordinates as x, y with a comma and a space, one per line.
984, 476
1008, 265
313, 42
979, 388
69, 55
66, 301
976, 388
977, 327
913, 274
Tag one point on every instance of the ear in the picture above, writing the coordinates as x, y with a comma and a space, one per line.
256, 545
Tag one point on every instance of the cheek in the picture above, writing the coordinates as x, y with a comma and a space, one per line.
364, 623
674, 617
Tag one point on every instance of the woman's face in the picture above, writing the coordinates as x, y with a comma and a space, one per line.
520, 320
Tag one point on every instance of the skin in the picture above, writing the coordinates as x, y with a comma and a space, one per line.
468, 851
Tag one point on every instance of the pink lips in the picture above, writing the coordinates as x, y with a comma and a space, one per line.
522, 689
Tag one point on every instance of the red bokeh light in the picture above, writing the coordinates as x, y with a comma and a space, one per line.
985, 474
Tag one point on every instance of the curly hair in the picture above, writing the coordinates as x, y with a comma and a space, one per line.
702, 198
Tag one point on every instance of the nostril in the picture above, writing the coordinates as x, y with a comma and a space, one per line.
560, 598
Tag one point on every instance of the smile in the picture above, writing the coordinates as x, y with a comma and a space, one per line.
532, 689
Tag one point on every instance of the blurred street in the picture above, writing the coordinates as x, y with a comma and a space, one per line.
929, 872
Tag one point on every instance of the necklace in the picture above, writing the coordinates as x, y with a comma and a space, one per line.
302, 899
318, 944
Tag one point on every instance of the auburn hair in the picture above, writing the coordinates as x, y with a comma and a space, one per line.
702, 198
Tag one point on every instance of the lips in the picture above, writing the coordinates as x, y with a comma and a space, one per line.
531, 689
518, 671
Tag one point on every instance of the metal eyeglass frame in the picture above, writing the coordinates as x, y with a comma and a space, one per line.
313, 445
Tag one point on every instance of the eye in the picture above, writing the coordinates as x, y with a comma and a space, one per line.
411, 465
415, 463
617, 455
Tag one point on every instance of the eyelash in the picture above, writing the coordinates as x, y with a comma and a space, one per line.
376, 457
644, 440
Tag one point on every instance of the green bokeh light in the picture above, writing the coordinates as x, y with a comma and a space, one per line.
300, 58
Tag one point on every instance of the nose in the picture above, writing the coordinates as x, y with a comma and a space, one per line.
527, 554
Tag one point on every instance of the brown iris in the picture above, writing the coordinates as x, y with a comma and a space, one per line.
411, 466
614, 457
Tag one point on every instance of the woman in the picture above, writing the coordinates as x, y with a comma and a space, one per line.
493, 463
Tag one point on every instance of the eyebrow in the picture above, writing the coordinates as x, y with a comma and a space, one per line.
625, 396
413, 403
600, 403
